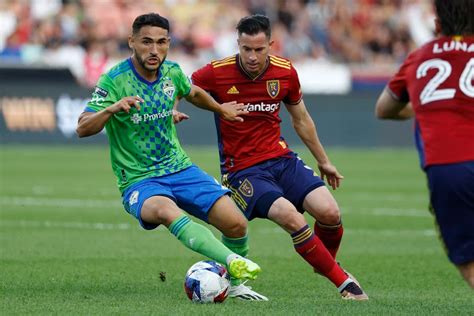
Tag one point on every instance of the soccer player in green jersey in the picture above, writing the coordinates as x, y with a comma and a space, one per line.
134, 102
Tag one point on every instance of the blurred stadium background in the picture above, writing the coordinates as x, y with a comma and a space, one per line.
68, 247
53, 51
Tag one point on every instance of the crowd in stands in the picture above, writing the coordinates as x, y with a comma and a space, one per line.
88, 36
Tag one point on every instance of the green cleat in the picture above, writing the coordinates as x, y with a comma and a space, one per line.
242, 268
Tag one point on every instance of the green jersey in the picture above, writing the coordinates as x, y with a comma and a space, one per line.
142, 143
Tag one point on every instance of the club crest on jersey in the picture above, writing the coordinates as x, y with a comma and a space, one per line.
273, 88
169, 89
246, 188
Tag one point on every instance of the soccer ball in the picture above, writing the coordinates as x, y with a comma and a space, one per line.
207, 282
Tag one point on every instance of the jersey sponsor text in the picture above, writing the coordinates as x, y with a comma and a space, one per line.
262, 107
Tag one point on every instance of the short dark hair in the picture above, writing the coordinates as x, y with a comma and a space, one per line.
254, 24
150, 19
456, 17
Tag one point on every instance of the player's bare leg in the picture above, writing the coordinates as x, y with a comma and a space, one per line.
320, 204
467, 271
225, 216
163, 210
312, 249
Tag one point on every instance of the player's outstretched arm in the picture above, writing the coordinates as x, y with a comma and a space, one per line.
387, 107
229, 111
177, 115
91, 123
306, 130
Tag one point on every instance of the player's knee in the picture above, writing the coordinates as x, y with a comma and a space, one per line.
158, 216
331, 214
237, 229
293, 221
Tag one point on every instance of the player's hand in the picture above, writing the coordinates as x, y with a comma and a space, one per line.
231, 111
179, 116
329, 171
126, 104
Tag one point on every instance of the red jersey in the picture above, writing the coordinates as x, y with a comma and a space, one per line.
243, 144
438, 80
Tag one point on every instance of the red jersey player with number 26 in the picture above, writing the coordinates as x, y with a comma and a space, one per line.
437, 79
266, 178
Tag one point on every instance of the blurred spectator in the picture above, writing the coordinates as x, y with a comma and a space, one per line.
95, 62
7, 22
88, 35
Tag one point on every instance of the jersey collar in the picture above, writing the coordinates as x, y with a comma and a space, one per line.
245, 72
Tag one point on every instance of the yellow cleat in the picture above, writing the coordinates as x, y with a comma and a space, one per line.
242, 268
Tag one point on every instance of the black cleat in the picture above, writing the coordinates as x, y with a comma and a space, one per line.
353, 292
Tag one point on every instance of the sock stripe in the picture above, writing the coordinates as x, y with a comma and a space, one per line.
302, 237
300, 231
235, 241
328, 227
178, 224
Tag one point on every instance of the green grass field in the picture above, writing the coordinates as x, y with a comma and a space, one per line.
68, 247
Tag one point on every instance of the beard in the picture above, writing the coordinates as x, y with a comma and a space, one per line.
143, 64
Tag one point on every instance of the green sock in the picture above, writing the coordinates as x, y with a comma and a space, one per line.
199, 238
238, 245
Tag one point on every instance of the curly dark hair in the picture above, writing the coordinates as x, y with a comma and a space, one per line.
150, 19
456, 17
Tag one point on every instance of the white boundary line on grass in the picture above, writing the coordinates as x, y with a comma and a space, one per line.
384, 197
387, 211
58, 224
126, 226
115, 203
45, 201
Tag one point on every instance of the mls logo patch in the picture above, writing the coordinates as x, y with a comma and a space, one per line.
133, 198
246, 188
102, 92
273, 88
169, 89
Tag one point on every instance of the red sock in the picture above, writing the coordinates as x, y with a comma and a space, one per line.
313, 251
330, 235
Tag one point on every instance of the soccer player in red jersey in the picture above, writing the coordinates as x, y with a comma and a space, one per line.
267, 179
437, 80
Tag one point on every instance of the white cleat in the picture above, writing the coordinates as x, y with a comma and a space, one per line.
244, 292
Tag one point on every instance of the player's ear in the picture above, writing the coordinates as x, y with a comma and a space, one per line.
270, 43
130, 41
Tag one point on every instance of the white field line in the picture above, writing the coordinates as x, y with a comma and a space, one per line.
126, 226
74, 225
383, 211
384, 197
387, 211
38, 190
44, 201
115, 203
392, 232
378, 232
